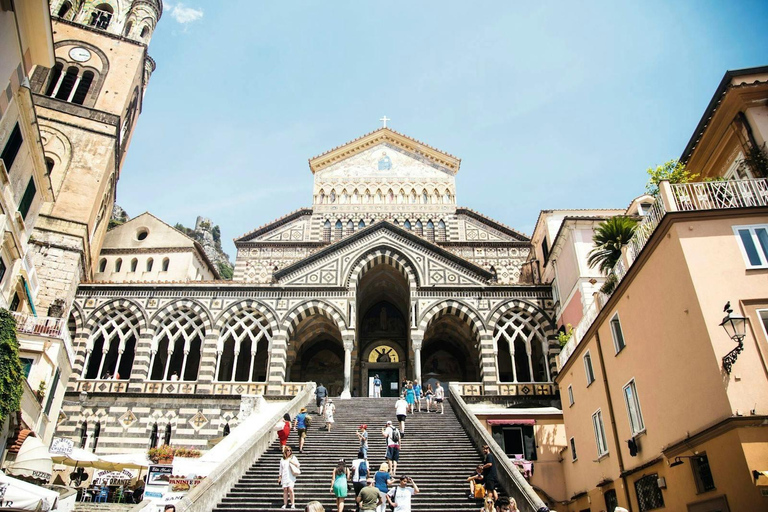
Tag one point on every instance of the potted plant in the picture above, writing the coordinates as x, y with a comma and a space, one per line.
187, 452
161, 455
40, 393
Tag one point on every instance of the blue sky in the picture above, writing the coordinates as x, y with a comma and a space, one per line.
559, 105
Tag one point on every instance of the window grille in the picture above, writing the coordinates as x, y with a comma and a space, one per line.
649, 495
526, 347
702, 473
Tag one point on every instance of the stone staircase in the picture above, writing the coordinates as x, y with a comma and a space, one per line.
436, 453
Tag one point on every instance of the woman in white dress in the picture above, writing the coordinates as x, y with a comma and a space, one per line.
330, 408
289, 469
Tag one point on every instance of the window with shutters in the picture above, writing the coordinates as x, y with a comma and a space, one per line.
26, 200
12, 147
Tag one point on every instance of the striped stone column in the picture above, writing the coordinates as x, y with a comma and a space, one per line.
80, 343
277, 363
206, 375
140, 370
488, 368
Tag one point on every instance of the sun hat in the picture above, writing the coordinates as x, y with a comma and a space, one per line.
303, 409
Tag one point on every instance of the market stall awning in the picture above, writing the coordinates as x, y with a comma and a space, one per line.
511, 421
33, 461
77, 457
19, 495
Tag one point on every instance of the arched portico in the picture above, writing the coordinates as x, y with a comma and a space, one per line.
382, 299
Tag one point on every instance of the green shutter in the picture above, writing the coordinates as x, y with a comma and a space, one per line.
29, 196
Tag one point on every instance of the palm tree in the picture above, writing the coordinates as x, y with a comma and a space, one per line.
609, 237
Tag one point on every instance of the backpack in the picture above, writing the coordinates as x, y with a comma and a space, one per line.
308, 420
362, 469
396, 434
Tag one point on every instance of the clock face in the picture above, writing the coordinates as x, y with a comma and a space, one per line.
80, 54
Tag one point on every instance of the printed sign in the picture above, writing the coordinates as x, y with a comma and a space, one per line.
108, 477
62, 445
183, 484
159, 475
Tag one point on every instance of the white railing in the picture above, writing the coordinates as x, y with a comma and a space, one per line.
706, 195
39, 325
720, 195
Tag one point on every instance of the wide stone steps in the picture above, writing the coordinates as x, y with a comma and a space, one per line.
436, 452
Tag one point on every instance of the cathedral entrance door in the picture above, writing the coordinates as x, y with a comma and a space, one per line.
390, 381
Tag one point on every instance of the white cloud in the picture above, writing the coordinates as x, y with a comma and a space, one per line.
183, 14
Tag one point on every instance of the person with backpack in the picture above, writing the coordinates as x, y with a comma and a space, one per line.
320, 394
376, 387
392, 435
359, 474
400, 497
300, 424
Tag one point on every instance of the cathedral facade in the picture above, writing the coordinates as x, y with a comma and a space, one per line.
383, 275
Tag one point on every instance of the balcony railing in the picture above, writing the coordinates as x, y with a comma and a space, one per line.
707, 195
40, 325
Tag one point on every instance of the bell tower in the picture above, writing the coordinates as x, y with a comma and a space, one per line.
87, 106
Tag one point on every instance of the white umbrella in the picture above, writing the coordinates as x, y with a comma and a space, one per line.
134, 460
33, 460
19, 495
77, 457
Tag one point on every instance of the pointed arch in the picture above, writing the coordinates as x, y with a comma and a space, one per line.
295, 316
385, 255
452, 307
245, 333
180, 330
111, 347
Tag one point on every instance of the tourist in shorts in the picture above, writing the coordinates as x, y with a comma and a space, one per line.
489, 472
477, 484
392, 435
439, 397
429, 395
401, 411
300, 425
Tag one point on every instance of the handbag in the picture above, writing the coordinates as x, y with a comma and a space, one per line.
296, 470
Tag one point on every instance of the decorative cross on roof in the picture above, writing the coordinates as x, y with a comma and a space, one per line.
384, 120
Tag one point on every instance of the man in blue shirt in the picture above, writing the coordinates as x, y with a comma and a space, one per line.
376, 387
300, 426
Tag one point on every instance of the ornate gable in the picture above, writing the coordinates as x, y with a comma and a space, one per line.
386, 136
335, 265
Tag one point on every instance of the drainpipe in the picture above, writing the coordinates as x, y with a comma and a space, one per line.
614, 430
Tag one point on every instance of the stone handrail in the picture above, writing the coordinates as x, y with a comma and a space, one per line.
212, 489
509, 476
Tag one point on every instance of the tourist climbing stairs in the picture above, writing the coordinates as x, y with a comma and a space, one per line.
436, 452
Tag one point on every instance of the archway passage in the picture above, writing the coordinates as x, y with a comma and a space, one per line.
316, 353
448, 352
382, 329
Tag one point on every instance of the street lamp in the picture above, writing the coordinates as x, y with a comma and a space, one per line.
735, 327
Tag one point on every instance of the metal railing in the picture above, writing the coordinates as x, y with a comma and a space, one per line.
40, 325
